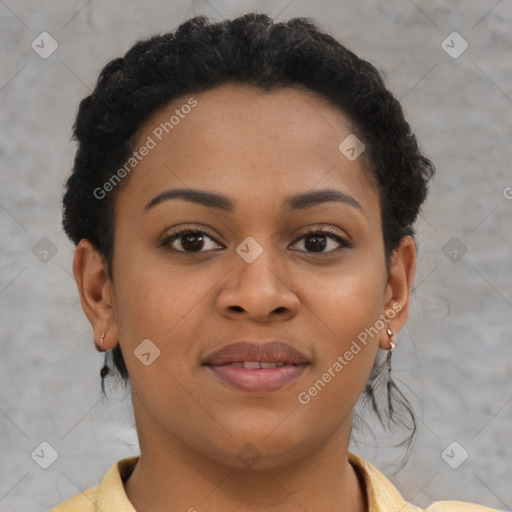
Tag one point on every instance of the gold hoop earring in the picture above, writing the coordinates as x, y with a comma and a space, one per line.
102, 336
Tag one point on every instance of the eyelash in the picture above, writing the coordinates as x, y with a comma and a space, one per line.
331, 233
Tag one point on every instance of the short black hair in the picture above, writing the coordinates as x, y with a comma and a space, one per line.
252, 50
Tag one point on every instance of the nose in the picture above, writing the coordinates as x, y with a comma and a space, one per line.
258, 290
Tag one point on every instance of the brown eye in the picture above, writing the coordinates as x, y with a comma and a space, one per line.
190, 241
196, 241
317, 241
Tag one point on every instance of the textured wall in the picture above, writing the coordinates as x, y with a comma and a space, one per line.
455, 354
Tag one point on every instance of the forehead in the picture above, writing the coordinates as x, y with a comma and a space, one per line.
242, 141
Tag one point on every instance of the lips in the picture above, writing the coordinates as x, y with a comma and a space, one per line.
244, 352
257, 368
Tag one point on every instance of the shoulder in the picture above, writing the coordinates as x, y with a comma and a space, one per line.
383, 496
108, 495
458, 506
83, 502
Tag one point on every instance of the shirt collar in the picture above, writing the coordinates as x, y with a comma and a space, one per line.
111, 493
381, 493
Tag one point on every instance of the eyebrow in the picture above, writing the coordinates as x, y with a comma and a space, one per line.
295, 202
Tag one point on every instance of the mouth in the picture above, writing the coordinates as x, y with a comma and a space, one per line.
256, 376
257, 367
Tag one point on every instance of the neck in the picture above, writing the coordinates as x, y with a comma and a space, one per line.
170, 475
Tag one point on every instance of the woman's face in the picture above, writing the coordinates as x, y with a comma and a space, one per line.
257, 274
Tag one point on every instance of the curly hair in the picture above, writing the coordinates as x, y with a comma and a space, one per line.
252, 50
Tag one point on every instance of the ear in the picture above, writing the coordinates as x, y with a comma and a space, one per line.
398, 288
96, 294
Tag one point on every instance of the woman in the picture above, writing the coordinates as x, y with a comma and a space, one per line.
242, 202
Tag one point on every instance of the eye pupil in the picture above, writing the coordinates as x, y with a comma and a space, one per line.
194, 238
319, 242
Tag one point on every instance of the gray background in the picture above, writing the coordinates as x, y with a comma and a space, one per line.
454, 354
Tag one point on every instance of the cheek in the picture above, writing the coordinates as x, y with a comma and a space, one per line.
152, 294
162, 303
344, 317
168, 304
344, 302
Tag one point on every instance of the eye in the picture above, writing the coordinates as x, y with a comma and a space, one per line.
319, 239
191, 240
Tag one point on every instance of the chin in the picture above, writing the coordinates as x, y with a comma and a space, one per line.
263, 450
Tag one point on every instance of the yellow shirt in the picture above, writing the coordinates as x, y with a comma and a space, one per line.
110, 495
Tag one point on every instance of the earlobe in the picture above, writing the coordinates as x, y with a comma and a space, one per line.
398, 288
95, 290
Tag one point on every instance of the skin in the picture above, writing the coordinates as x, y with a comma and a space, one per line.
257, 148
